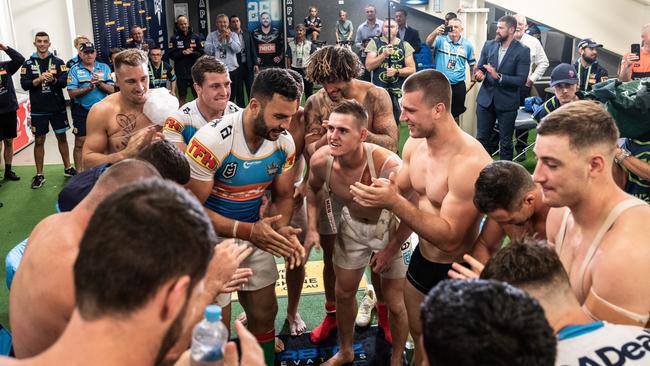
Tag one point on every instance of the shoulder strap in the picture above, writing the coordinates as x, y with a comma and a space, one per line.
559, 238
369, 160
607, 224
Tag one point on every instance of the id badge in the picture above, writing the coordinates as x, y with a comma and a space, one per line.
222, 52
451, 64
330, 215
299, 63
45, 88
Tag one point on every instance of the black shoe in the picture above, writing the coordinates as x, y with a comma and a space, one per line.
37, 181
70, 172
10, 175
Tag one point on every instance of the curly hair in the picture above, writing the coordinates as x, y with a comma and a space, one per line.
485, 322
333, 63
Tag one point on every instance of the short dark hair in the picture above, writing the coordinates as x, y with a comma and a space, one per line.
265, 12
485, 322
274, 81
333, 63
511, 22
451, 15
137, 239
297, 78
41, 34
401, 10
134, 27
168, 160
204, 65
234, 16
501, 185
433, 83
353, 108
528, 264
586, 123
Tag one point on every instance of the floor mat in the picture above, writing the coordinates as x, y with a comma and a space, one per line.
370, 349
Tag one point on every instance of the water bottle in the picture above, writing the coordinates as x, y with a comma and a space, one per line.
208, 339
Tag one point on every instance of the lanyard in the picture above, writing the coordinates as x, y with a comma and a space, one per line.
49, 66
588, 73
161, 68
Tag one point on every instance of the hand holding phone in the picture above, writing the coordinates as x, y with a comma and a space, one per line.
635, 49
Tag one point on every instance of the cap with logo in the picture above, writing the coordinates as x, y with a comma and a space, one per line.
588, 42
87, 47
564, 74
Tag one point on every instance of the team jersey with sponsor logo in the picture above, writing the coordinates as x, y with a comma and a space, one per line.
183, 123
218, 152
269, 46
602, 343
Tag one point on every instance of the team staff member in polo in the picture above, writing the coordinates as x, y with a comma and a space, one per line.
44, 76
88, 83
589, 70
453, 52
8, 107
185, 48
160, 72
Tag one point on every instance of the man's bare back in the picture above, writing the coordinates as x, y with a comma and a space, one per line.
376, 101
42, 294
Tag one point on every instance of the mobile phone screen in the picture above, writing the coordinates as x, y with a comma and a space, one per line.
636, 49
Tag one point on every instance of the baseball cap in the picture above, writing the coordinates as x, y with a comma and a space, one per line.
87, 47
564, 74
588, 42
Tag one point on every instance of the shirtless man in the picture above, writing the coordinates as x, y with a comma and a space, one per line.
340, 84
117, 128
54, 293
601, 234
48, 300
212, 84
127, 311
441, 164
362, 231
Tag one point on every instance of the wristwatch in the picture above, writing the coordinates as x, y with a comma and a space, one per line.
618, 159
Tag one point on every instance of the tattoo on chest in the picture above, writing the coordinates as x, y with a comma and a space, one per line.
126, 126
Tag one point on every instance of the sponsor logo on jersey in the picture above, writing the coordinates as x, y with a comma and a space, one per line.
248, 164
173, 125
631, 351
272, 169
268, 48
202, 155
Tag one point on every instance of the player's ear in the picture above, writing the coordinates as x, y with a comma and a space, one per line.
364, 134
254, 105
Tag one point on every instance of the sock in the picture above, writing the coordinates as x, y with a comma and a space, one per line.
382, 321
7, 168
267, 342
325, 328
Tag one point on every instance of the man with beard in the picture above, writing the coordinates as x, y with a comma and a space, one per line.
269, 43
233, 161
146, 256
503, 68
340, 84
117, 128
212, 83
589, 70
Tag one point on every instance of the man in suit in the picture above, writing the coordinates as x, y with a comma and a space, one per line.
406, 33
247, 60
503, 67
138, 41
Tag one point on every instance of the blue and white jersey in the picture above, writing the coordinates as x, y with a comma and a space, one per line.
183, 123
218, 152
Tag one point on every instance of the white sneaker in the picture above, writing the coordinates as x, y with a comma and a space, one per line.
364, 315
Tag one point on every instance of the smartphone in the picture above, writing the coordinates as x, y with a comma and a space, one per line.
635, 48
449, 28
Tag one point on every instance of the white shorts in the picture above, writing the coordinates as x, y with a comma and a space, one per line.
357, 241
323, 225
265, 272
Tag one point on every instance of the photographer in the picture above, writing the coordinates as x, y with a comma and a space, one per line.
637, 65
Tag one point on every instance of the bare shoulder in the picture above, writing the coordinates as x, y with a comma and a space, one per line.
410, 147
375, 98
319, 158
49, 232
7, 361
553, 223
315, 103
630, 232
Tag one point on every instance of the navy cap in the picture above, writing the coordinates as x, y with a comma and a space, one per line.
564, 74
588, 42
87, 47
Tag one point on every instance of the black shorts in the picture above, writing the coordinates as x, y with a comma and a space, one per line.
458, 99
425, 275
41, 123
79, 116
8, 125
182, 85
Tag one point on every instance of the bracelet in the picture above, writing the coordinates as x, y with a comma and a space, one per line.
234, 229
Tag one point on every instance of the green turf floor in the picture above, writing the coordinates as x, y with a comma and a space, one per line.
25, 207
